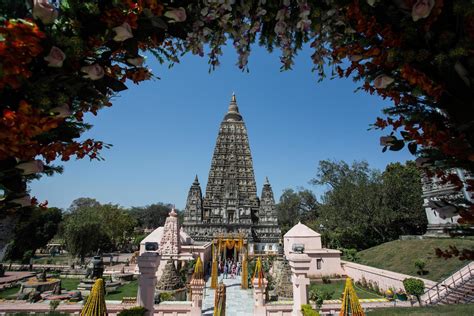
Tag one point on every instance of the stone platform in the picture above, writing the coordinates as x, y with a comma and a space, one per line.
13, 277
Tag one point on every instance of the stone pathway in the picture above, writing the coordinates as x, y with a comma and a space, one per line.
238, 302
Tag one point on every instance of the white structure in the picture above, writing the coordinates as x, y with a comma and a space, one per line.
324, 262
173, 245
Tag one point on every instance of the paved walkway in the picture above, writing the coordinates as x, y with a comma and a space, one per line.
238, 302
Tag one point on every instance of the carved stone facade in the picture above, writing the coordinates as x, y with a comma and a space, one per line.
439, 202
171, 242
231, 204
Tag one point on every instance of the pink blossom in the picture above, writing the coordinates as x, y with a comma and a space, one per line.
422, 9
44, 11
23, 201
55, 58
30, 167
177, 15
122, 32
383, 81
62, 111
93, 72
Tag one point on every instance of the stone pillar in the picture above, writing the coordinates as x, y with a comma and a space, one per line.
259, 296
147, 264
299, 264
197, 291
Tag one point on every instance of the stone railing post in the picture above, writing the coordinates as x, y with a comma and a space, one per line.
197, 291
147, 264
259, 296
299, 264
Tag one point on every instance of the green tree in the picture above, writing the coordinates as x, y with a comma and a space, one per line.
151, 216
295, 206
415, 287
35, 229
91, 227
364, 207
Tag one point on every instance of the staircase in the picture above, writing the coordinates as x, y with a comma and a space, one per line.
455, 289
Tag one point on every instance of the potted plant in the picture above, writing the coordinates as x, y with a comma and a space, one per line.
401, 295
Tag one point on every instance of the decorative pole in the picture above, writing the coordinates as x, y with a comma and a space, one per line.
95, 305
245, 277
214, 268
350, 301
219, 300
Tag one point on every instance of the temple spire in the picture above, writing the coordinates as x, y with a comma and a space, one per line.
233, 111
196, 180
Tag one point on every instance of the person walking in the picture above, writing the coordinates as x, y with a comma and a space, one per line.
226, 270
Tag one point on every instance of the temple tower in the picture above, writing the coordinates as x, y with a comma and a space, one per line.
171, 242
231, 204
193, 210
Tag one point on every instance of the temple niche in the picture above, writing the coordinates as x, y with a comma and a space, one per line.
230, 206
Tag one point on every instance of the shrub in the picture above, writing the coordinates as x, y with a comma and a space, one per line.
350, 254
376, 288
307, 310
54, 304
415, 287
370, 286
363, 282
134, 311
420, 264
166, 296
326, 279
318, 296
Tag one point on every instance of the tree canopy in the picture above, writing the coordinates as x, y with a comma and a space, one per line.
363, 207
35, 229
151, 216
89, 228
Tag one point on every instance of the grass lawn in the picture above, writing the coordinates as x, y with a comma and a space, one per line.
400, 255
445, 310
47, 259
127, 290
338, 288
4, 294
69, 284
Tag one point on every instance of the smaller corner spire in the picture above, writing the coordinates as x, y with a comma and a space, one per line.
196, 180
266, 181
173, 212
233, 99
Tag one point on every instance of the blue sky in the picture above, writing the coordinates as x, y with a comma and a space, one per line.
164, 131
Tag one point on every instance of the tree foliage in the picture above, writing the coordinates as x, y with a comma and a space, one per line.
364, 207
88, 229
151, 216
295, 206
37, 227
415, 287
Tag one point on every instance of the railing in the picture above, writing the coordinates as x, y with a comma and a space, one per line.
449, 285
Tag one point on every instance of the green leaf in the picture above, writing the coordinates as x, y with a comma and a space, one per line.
412, 147
397, 145
115, 84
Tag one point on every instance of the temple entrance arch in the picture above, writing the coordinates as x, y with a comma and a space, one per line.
230, 246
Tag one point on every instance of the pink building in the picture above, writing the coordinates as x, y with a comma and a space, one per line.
324, 262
